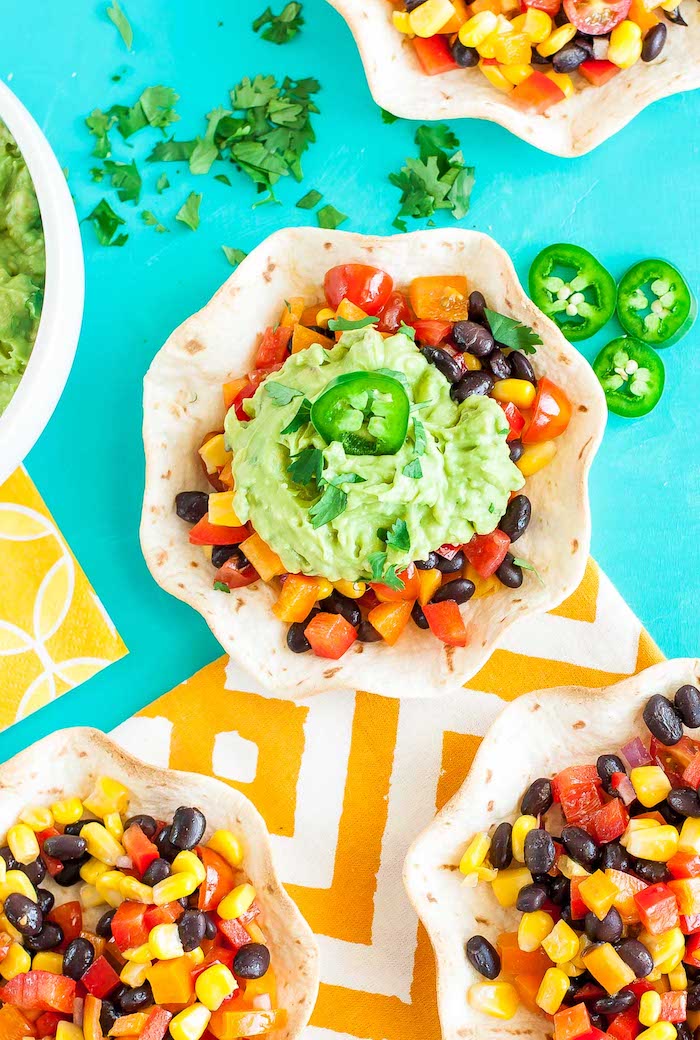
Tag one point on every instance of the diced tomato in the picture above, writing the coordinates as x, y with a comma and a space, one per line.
47, 1023
394, 313
330, 635
409, 591
486, 552
658, 908
432, 331
572, 1022
448, 551
157, 1025
537, 93
684, 865
128, 925
229, 573
673, 1006
577, 789
40, 991
551, 7
516, 419
100, 979
690, 923
625, 1025
578, 907
243, 395
691, 774
274, 346
165, 914
69, 917
204, 533
597, 71
610, 821
367, 287
596, 17
434, 54
140, 849
218, 881
446, 622
551, 411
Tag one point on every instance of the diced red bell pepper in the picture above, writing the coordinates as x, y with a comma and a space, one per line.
139, 848
673, 1006
578, 907
40, 991
627, 887
590, 991
54, 866
14, 1025
274, 346
218, 881
243, 395
687, 893
217, 955
626, 1025
100, 979
486, 552
690, 923
128, 925
330, 635
432, 331
691, 774
434, 54
610, 821
157, 1025
597, 71
572, 1022
622, 786
692, 951
234, 933
69, 918
204, 533
577, 789
658, 908
516, 420
537, 93
165, 914
47, 1023
446, 622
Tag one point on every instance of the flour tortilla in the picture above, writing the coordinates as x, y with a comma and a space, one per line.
574, 127
535, 736
182, 402
67, 763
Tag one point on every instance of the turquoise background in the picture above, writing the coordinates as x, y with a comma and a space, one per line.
633, 197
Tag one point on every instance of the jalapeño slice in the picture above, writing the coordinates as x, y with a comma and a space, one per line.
367, 412
632, 376
572, 288
655, 303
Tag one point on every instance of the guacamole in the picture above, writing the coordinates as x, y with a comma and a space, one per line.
465, 474
22, 266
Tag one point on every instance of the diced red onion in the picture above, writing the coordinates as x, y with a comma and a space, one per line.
636, 754
600, 47
78, 1006
125, 863
447, 551
622, 785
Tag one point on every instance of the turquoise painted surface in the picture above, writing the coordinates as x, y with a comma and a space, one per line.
636, 195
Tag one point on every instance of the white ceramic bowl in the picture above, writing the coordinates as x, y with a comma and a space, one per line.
40, 388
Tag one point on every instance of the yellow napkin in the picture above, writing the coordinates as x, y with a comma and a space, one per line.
347, 780
54, 632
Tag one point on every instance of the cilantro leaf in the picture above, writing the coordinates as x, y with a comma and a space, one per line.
280, 393
525, 565
282, 27
206, 151
117, 16
221, 586
105, 222
392, 580
310, 200
99, 123
188, 212
172, 151
151, 220
435, 180
394, 374
301, 418
346, 325
377, 563
334, 500
223, 178
434, 139
330, 218
419, 436
388, 117
398, 536
413, 469
511, 333
306, 466
158, 104
162, 183
234, 256
125, 178
407, 330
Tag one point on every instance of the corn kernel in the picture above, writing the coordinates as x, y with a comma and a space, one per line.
109, 885
89, 897
324, 316
16, 962
508, 883
651, 785
533, 928
214, 986
487, 49
3, 870
649, 1007
690, 836
188, 862
23, 843
598, 893
177, 886
68, 1031
625, 45
475, 853
196, 956
561, 944
563, 81
570, 868
678, 979
556, 40
402, 22
93, 869
655, 843
47, 961
664, 947
535, 457
191, 1023
108, 796
472, 363
472, 879
10, 929
661, 1031
68, 811
608, 968
514, 74
430, 17
496, 78
143, 954
101, 844
512, 49
227, 845
552, 991
478, 28
114, 826
236, 902
497, 999
17, 881
134, 974
351, 589
534, 24
514, 391
37, 818
135, 890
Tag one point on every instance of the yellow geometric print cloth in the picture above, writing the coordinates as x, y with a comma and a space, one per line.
54, 632
345, 782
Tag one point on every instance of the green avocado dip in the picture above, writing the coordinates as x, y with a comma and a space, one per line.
451, 476
22, 266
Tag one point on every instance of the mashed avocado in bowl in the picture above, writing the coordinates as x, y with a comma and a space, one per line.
22, 266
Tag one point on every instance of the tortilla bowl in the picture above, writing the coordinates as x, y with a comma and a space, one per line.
535, 736
182, 403
67, 762
573, 127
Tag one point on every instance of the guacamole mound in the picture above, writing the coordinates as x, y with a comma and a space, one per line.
22, 266
467, 473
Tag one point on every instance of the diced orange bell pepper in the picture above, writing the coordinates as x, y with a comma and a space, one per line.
230, 1025
570, 1023
528, 987
92, 1009
687, 893
303, 338
292, 312
442, 296
265, 561
446, 622
129, 1025
171, 981
297, 597
428, 584
537, 93
627, 886
516, 962
645, 18
330, 635
226, 476
350, 311
232, 389
390, 619
13, 1024
457, 20
608, 968
410, 590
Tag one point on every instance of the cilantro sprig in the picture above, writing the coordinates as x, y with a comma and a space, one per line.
512, 333
437, 179
282, 27
280, 393
347, 325
118, 17
334, 499
381, 573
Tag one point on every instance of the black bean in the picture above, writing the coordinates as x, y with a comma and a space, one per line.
498, 364
220, 554
473, 338
584, 41
164, 845
516, 517
675, 16
580, 846
191, 506
573, 922
419, 617
65, 847
473, 384
251, 961
684, 801
559, 890
108, 1016
132, 1000
10, 861
670, 815
79, 955
597, 1021
50, 936
532, 897
210, 929
24, 914
538, 798
45, 899
516, 449
606, 766
637, 957
459, 589
104, 925
75, 828
694, 998
477, 307
662, 720
36, 871
539, 852
337, 603
466, 57
540, 59
654, 42
684, 1032
483, 957
687, 700
569, 57
450, 566
147, 823
70, 874
614, 856
367, 633
561, 17
509, 573
192, 928
444, 363
615, 1004
187, 828
521, 368
608, 930
156, 871
428, 564
649, 871
411, 5
501, 851
296, 640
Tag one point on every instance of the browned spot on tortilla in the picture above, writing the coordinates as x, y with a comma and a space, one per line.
330, 672
489, 806
237, 604
450, 866
564, 359
536, 706
161, 557
431, 898
167, 475
579, 725
359, 648
327, 245
193, 346
180, 585
267, 273
580, 454
449, 654
482, 920
582, 408
574, 544
489, 776
193, 563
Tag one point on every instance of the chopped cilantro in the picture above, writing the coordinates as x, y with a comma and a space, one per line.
398, 536
413, 469
162, 183
172, 151
310, 200
99, 123
377, 562
280, 393
282, 27
206, 151
392, 580
388, 117
334, 500
117, 16
511, 333
330, 218
151, 220
125, 178
525, 565
346, 325
97, 174
158, 104
223, 178
188, 212
398, 376
436, 179
105, 222
234, 256
221, 586
408, 330
306, 466
419, 437
301, 418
